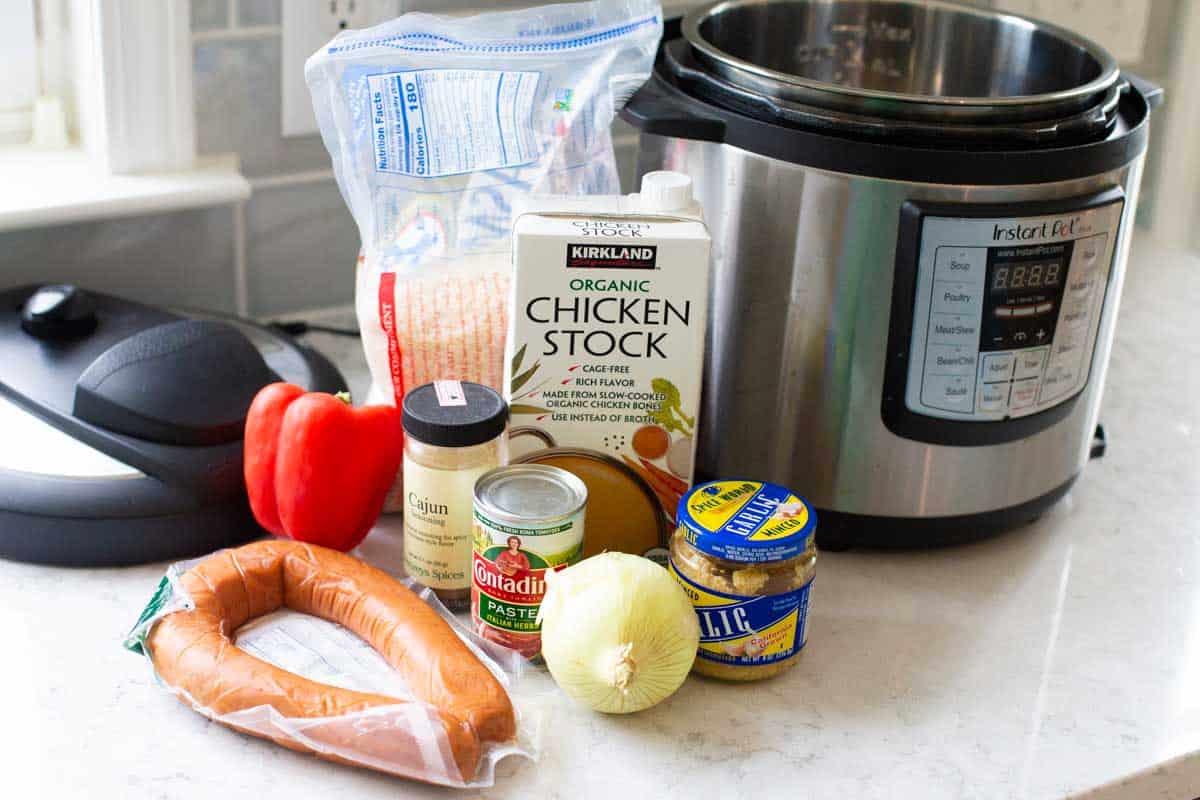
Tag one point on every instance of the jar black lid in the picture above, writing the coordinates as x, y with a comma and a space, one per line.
454, 413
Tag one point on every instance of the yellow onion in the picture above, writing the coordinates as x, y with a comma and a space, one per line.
618, 633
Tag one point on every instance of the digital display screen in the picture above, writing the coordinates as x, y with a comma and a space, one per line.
1027, 275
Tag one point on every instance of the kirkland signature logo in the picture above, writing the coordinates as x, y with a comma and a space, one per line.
611, 256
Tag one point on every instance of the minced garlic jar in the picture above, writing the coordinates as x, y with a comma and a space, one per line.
745, 554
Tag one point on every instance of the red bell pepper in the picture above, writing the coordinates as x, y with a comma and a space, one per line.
317, 469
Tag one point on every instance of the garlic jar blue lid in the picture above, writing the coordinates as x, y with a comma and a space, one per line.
747, 521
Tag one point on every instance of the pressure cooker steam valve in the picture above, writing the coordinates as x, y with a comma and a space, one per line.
59, 311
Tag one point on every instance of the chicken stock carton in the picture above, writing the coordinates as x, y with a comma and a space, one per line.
606, 342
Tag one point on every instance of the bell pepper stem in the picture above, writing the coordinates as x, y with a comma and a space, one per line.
344, 397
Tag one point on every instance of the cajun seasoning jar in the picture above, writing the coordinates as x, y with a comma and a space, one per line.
744, 551
453, 434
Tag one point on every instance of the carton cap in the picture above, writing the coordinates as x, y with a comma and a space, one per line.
666, 191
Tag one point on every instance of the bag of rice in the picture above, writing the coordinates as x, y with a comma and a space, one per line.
436, 125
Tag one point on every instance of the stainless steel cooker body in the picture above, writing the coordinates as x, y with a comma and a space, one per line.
921, 214
804, 272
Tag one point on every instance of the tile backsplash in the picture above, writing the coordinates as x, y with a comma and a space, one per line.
183, 258
301, 247
236, 82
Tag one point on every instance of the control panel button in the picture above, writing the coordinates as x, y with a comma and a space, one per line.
1074, 315
993, 396
960, 265
1069, 344
957, 298
1059, 380
1079, 286
1024, 394
949, 393
946, 360
997, 367
954, 329
1089, 250
1030, 363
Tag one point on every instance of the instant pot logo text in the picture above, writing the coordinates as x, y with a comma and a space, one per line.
1061, 228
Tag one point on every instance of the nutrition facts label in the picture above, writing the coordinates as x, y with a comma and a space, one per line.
1007, 312
431, 123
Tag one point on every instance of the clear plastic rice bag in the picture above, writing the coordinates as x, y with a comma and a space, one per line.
435, 125
406, 738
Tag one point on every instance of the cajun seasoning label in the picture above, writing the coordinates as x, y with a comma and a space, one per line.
508, 576
437, 524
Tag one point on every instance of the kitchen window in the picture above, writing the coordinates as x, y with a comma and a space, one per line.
96, 114
18, 80
107, 75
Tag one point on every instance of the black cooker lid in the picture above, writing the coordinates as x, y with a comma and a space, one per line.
685, 101
123, 425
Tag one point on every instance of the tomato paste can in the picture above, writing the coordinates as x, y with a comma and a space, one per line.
528, 520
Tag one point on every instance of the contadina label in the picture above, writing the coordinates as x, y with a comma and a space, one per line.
528, 521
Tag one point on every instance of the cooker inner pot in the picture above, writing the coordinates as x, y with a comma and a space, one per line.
904, 50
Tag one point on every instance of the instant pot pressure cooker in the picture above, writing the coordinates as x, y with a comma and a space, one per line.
921, 214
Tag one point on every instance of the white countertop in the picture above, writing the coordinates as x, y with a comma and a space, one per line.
1058, 658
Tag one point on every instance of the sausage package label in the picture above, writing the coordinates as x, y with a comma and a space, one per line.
607, 328
165, 600
748, 631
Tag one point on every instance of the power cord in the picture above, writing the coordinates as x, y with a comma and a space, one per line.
300, 327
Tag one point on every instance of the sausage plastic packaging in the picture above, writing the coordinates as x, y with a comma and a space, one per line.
322, 653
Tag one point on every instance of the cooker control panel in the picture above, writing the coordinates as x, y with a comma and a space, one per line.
1006, 311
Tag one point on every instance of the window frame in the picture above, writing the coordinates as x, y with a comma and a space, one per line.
137, 57
20, 74
136, 151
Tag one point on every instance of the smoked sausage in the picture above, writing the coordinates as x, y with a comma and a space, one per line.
463, 705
